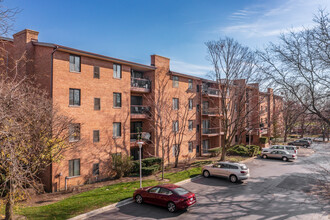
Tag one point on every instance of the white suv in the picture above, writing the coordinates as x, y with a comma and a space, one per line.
233, 171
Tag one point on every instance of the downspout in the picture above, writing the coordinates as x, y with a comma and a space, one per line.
51, 96
51, 72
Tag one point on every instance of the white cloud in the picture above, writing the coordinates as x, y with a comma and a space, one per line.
262, 21
188, 68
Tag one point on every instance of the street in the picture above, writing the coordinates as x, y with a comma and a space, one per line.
276, 190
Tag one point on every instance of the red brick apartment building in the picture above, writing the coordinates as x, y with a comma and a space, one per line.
112, 99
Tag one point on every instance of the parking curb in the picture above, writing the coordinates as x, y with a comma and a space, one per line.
249, 159
121, 203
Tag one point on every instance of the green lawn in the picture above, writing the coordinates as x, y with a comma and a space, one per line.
97, 198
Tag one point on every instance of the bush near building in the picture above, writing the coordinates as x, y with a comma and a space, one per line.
149, 166
241, 150
215, 151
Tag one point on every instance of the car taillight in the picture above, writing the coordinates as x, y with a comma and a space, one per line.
293, 155
295, 151
243, 171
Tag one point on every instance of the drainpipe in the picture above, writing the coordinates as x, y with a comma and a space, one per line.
51, 96
51, 71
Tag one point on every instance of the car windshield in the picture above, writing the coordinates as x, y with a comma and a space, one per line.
180, 191
243, 167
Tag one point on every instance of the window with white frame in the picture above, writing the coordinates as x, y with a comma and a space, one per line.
175, 81
116, 71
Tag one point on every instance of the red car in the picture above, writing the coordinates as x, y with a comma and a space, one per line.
168, 195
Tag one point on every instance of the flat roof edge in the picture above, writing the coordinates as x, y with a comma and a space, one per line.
99, 56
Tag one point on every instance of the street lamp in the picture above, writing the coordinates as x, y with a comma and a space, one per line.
140, 153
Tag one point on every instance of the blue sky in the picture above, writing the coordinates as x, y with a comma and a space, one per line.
178, 29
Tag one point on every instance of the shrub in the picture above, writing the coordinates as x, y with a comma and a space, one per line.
122, 165
201, 163
215, 151
253, 150
146, 171
146, 163
151, 161
263, 140
239, 150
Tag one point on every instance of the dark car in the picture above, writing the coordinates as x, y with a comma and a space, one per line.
168, 195
302, 143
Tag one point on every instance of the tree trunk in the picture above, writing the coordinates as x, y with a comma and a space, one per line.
9, 206
223, 153
285, 135
163, 162
176, 161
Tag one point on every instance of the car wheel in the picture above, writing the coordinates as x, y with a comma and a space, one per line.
206, 173
264, 156
138, 199
171, 207
284, 158
233, 178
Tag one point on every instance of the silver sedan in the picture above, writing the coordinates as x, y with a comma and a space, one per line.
279, 154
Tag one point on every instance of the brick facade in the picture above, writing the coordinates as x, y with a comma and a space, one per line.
139, 85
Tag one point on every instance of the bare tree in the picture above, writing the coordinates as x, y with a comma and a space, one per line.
234, 68
33, 134
160, 115
291, 113
299, 64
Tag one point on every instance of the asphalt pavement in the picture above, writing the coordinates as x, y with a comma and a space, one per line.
275, 190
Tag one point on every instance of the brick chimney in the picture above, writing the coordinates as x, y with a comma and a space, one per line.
25, 36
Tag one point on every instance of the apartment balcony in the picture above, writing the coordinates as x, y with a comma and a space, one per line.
211, 132
140, 112
212, 112
211, 92
140, 85
144, 136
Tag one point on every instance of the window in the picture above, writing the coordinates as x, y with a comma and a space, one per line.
175, 149
190, 147
197, 128
116, 100
190, 84
117, 71
235, 107
175, 103
74, 132
175, 81
154, 190
197, 88
190, 125
97, 103
190, 104
197, 148
74, 63
165, 191
236, 138
197, 107
117, 129
74, 167
96, 136
74, 97
96, 72
175, 126
96, 169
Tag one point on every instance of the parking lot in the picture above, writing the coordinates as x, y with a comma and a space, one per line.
275, 190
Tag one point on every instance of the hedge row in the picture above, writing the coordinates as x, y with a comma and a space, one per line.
149, 165
241, 150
